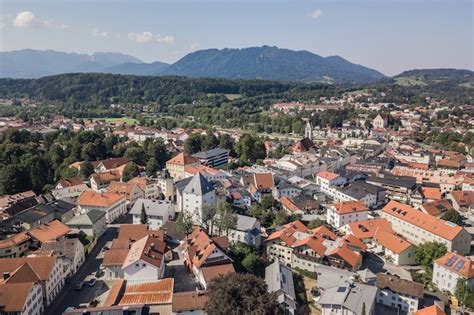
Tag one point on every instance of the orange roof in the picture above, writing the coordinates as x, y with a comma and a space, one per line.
189, 301
49, 231
347, 207
455, 260
463, 198
157, 292
391, 241
106, 177
212, 272
288, 204
27, 269
14, 240
366, 229
323, 232
124, 189
203, 169
327, 175
200, 246
351, 240
142, 182
437, 207
149, 249
283, 235
422, 220
316, 244
263, 180
115, 257
350, 257
431, 193
448, 163
422, 166
13, 296
183, 159
430, 310
92, 198
296, 226
71, 181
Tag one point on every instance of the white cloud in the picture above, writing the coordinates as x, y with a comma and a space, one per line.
96, 33
27, 19
148, 37
316, 14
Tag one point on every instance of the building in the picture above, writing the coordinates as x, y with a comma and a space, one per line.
108, 164
370, 195
285, 189
380, 122
206, 257
343, 213
176, 165
394, 248
167, 188
462, 201
214, 158
46, 271
150, 187
398, 293
93, 223
158, 212
279, 280
434, 309
113, 205
447, 270
349, 298
100, 181
211, 174
247, 231
21, 298
70, 250
17, 245
197, 195
189, 303
326, 180
145, 260
129, 190
418, 227
397, 188
258, 184
69, 188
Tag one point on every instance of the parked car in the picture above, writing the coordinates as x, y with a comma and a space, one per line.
79, 285
91, 282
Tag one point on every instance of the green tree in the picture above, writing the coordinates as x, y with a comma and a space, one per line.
428, 252
193, 143
210, 142
184, 223
130, 171
209, 218
151, 167
87, 169
226, 219
464, 293
143, 215
226, 142
136, 155
13, 179
452, 216
240, 294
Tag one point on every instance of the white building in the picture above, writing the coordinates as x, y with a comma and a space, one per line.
158, 212
343, 213
279, 280
399, 293
21, 298
92, 223
197, 195
145, 260
349, 298
447, 270
246, 231
326, 180
112, 204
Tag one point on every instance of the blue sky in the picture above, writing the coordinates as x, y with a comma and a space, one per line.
388, 35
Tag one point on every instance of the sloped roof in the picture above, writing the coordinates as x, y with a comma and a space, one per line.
458, 264
92, 198
323, 232
89, 218
13, 296
351, 240
366, 229
71, 181
430, 310
316, 244
437, 207
198, 185
350, 257
327, 175
347, 207
391, 241
30, 268
149, 249
183, 159
49, 231
189, 301
212, 272
396, 284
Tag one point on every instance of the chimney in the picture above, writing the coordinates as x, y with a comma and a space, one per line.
152, 246
6, 275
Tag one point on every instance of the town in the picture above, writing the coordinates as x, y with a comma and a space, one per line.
352, 216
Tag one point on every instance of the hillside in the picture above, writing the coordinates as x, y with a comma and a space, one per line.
271, 63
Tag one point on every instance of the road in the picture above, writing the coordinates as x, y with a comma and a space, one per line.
71, 297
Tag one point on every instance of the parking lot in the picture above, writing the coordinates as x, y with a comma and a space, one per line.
183, 279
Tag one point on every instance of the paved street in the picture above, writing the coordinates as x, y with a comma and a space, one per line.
71, 297
183, 279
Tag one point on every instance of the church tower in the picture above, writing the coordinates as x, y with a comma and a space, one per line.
308, 130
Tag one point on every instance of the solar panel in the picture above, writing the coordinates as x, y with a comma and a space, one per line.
341, 289
459, 265
451, 261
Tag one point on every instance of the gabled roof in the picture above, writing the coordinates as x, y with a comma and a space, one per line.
189, 301
13, 296
211, 272
315, 244
437, 207
87, 219
347, 207
123, 189
463, 198
391, 241
366, 229
49, 231
263, 180
111, 163
431, 193
430, 310
71, 181
396, 284
198, 186
95, 199
151, 293
458, 264
183, 159
323, 232
422, 220
148, 249
351, 240
200, 246
106, 177
352, 258
30, 269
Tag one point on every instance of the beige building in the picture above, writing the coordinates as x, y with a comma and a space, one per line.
418, 227
176, 166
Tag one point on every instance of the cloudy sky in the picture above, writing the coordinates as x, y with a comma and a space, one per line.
388, 35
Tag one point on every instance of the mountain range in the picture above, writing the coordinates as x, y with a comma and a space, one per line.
266, 62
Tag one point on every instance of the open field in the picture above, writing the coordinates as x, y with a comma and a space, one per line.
127, 120
407, 81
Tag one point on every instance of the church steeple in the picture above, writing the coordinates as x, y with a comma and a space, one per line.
308, 130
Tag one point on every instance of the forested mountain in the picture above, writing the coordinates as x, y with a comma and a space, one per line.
30, 63
266, 63
271, 63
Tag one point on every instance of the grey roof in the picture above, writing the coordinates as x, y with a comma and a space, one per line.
152, 207
245, 223
198, 185
283, 184
279, 279
331, 276
180, 185
87, 219
399, 181
366, 275
351, 295
60, 205
210, 153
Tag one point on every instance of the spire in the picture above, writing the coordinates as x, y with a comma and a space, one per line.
308, 130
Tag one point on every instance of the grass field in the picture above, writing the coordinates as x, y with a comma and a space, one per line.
407, 81
469, 84
230, 97
127, 120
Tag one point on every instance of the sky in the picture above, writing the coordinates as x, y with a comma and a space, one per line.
390, 36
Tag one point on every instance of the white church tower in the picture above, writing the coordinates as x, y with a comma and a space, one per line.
308, 130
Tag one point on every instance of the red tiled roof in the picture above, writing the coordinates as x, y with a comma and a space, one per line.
189, 301
327, 175
92, 198
430, 310
316, 244
324, 232
467, 269
349, 207
353, 241
350, 257
13, 296
391, 241
49, 231
212, 272
366, 229
183, 159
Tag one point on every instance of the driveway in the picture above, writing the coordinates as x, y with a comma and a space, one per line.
183, 279
376, 264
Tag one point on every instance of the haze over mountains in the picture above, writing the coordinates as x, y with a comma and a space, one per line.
269, 63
